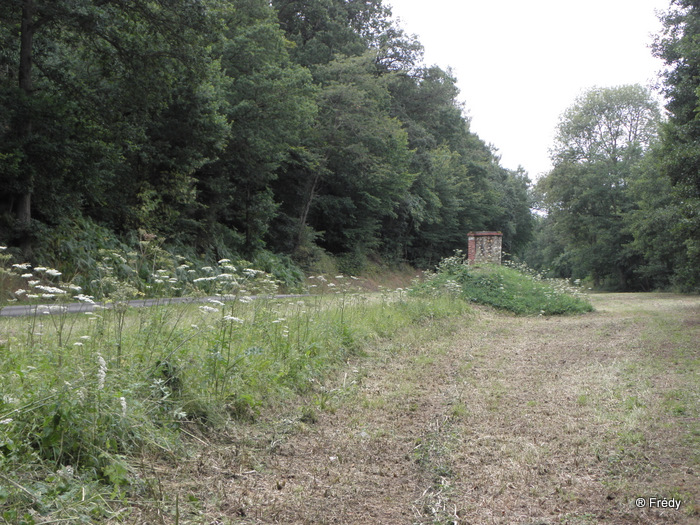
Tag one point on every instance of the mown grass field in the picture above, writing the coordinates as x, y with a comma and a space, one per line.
483, 418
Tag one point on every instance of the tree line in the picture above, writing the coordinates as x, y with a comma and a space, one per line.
232, 128
237, 126
622, 204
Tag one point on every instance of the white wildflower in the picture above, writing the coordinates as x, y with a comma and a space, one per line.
245, 299
84, 298
233, 319
6, 421
214, 301
101, 372
250, 272
32, 296
77, 343
20, 292
50, 289
53, 273
3, 248
207, 269
40, 269
23, 266
27, 275
33, 283
122, 401
222, 261
208, 309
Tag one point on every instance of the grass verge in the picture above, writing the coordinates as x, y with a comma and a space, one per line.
83, 397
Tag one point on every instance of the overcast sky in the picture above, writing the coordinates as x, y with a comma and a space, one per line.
520, 63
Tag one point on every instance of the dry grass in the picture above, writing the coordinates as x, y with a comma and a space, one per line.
497, 420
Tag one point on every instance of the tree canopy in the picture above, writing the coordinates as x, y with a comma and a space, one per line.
623, 199
314, 127
234, 126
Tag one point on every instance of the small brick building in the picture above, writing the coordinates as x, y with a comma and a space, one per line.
484, 247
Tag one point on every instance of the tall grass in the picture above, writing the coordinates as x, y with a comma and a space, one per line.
83, 396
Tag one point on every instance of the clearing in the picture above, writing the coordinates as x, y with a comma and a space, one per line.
485, 419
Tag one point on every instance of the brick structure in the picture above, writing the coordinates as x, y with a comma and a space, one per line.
484, 247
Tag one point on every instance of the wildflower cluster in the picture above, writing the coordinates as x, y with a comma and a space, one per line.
41, 283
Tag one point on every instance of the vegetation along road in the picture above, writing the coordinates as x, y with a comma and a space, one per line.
485, 418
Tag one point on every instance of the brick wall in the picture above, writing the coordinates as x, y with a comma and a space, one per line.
484, 247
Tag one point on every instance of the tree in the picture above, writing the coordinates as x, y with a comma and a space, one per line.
599, 141
678, 158
612, 125
270, 106
92, 81
364, 153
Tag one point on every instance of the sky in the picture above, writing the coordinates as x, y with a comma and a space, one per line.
520, 64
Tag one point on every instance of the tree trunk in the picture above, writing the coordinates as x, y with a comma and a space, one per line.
24, 208
306, 208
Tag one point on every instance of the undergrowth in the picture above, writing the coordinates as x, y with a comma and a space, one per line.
514, 288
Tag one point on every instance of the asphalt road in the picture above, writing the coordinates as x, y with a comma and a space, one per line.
76, 308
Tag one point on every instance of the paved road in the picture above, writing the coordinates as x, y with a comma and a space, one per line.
76, 308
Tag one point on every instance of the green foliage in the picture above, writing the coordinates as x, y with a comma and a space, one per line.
601, 141
678, 155
623, 204
304, 128
516, 289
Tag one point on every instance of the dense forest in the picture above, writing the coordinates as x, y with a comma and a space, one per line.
309, 128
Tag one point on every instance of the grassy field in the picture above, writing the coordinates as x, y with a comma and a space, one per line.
347, 407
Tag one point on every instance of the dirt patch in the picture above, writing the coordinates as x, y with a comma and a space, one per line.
508, 420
